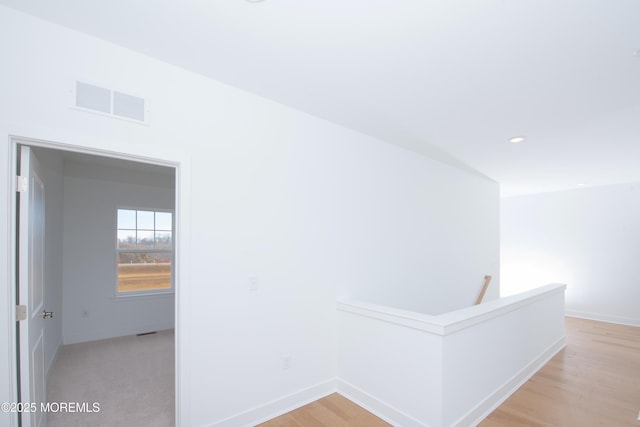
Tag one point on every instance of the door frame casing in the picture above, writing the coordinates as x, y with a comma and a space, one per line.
161, 156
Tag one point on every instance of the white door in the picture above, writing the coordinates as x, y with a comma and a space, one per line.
31, 288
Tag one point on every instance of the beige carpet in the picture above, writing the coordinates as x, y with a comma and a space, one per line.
131, 378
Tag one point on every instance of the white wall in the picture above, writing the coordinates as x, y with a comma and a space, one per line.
391, 369
588, 238
502, 345
52, 170
449, 370
310, 208
426, 238
92, 194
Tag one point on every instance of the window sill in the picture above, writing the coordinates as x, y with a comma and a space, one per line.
129, 296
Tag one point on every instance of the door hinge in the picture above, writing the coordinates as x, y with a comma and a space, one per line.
21, 184
21, 312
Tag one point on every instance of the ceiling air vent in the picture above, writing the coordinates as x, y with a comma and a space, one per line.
110, 102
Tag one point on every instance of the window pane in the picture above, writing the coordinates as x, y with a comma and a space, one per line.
163, 240
144, 271
126, 239
140, 230
126, 219
144, 257
145, 220
145, 239
163, 221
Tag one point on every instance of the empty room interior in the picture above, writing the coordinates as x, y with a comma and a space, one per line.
251, 212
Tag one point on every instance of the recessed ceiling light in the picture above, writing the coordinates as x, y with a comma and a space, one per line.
582, 184
255, 1
516, 139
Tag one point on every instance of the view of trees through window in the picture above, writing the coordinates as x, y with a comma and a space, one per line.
145, 250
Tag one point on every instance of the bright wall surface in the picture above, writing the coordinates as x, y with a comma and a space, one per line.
392, 369
588, 238
309, 209
492, 349
449, 370
92, 194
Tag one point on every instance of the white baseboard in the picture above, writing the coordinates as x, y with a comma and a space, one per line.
382, 409
603, 317
103, 335
377, 407
495, 399
278, 407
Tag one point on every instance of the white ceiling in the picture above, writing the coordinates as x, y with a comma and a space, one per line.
453, 79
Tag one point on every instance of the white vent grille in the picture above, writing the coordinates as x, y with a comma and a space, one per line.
128, 106
110, 102
93, 97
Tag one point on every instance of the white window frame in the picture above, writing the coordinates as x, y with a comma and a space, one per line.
170, 290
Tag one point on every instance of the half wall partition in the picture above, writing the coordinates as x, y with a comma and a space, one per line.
448, 370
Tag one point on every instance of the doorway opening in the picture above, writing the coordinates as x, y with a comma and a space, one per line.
83, 190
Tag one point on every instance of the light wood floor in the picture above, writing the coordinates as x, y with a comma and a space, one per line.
594, 381
333, 410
